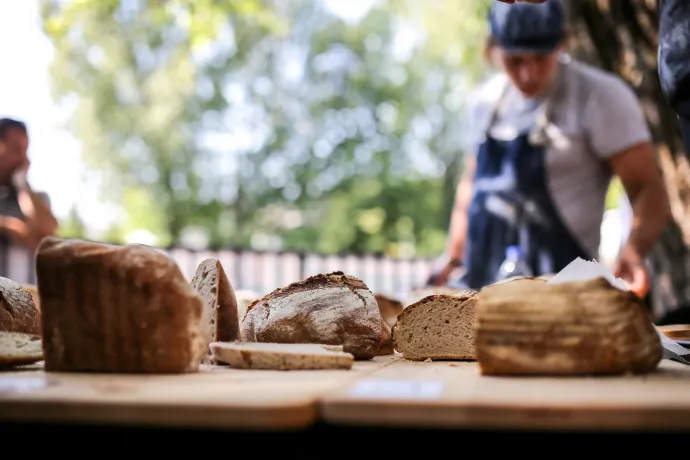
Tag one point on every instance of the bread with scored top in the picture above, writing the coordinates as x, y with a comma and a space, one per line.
331, 309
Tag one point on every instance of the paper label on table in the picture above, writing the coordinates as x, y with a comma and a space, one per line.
581, 270
21, 384
397, 389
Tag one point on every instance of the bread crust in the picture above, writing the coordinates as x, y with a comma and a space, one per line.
528, 327
332, 309
18, 311
108, 308
221, 304
386, 345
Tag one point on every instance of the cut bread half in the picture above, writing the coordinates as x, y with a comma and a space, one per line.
437, 327
19, 349
281, 356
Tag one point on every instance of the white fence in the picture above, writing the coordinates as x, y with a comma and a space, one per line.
263, 272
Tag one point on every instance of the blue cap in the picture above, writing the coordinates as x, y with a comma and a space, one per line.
528, 28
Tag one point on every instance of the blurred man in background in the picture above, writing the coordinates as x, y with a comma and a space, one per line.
25, 215
550, 134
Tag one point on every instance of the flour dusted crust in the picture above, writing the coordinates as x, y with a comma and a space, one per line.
109, 308
18, 311
331, 309
529, 327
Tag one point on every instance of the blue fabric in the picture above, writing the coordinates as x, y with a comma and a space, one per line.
513, 173
522, 27
674, 59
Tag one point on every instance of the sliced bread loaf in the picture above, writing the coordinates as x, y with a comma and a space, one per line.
437, 327
125, 309
281, 356
18, 349
211, 283
530, 327
333, 309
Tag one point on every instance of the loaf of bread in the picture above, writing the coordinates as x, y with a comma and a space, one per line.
212, 284
18, 312
281, 356
19, 349
530, 327
437, 327
124, 309
389, 308
386, 345
331, 309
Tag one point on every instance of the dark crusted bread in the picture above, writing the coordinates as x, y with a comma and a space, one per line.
18, 312
124, 309
212, 284
530, 327
437, 327
331, 309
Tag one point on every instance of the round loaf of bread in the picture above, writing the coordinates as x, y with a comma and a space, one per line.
331, 309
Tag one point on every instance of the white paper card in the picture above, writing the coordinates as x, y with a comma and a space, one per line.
581, 270
14, 384
397, 389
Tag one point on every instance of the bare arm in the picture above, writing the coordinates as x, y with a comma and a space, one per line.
644, 184
39, 217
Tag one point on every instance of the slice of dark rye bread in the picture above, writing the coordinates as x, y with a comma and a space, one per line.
117, 309
437, 327
281, 356
331, 309
212, 284
18, 349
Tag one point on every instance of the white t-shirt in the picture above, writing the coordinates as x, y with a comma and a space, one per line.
594, 115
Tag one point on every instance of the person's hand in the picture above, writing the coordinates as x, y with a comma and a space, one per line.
440, 277
630, 268
19, 176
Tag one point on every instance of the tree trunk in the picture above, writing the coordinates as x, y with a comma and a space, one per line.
621, 36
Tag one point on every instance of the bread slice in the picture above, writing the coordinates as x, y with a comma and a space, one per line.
529, 327
437, 327
18, 349
389, 308
120, 309
281, 356
333, 309
211, 283
18, 312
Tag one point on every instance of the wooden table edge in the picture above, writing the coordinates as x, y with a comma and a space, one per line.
406, 414
276, 417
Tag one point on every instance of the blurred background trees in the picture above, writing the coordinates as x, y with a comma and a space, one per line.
322, 125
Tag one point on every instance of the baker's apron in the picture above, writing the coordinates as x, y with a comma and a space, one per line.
511, 205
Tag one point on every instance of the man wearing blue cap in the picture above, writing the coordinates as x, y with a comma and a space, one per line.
550, 134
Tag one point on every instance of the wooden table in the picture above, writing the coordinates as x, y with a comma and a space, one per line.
215, 397
454, 395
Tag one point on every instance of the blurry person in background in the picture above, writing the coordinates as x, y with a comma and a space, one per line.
548, 135
25, 215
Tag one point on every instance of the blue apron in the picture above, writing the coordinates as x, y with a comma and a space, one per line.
511, 205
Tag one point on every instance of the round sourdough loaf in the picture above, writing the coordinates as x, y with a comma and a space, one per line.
331, 309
